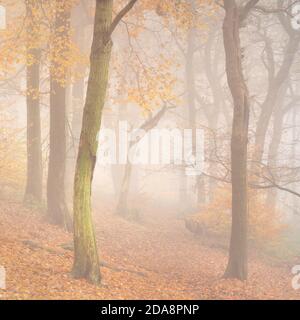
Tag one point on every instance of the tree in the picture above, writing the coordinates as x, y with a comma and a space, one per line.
34, 185
276, 84
86, 260
57, 207
79, 24
149, 124
234, 16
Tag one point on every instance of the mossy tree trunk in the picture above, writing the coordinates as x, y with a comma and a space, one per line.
34, 182
86, 260
86, 263
57, 208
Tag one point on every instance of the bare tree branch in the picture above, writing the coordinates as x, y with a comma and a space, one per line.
247, 8
119, 17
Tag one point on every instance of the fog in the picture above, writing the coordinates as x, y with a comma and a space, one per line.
159, 140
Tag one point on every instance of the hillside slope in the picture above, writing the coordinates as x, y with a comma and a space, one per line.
158, 259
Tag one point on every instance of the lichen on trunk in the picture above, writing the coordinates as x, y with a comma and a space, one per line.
86, 263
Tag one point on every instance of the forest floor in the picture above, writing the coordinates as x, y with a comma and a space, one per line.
156, 259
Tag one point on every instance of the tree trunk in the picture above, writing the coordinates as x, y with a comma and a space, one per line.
86, 263
77, 101
212, 57
279, 114
271, 98
57, 208
122, 207
237, 265
34, 185
271, 200
295, 200
149, 124
192, 116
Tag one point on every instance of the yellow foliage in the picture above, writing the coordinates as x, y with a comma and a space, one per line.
12, 155
35, 30
265, 223
148, 85
181, 14
154, 85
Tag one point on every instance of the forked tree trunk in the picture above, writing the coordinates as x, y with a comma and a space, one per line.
278, 122
56, 202
34, 182
149, 124
237, 264
269, 104
86, 263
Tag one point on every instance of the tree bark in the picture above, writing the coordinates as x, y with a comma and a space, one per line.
57, 208
267, 109
237, 264
34, 184
86, 262
149, 124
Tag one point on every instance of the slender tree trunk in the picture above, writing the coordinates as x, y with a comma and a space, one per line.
122, 207
57, 208
212, 145
86, 263
295, 200
237, 264
212, 57
149, 124
34, 185
192, 114
77, 101
74, 136
278, 122
271, 98
117, 170
273, 153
